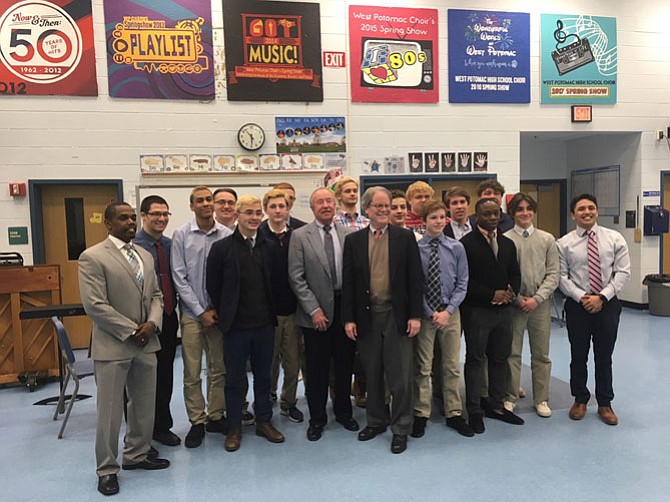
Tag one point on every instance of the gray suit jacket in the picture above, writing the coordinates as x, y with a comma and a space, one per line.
309, 273
114, 302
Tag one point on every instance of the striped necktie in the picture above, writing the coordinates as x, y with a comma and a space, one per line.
595, 273
134, 264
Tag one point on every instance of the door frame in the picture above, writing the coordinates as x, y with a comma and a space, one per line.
35, 194
563, 189
664, 173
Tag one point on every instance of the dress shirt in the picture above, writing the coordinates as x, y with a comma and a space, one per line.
520, 230
372, 230
460, 230
190, 247
485, 233
614, 262
120, 245
353, 220
337, 245
453, 271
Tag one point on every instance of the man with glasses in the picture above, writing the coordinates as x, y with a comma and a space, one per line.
190, 246
224, 207
381, 310
155, 215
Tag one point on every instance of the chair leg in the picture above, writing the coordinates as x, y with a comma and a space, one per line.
70, 405
60, 407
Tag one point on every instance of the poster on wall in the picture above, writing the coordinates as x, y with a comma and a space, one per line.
579, 59
273, 51
159, 50
46, 48
310, 134
393, 54
489, 56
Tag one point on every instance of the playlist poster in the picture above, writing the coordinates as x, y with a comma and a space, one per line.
394, 54
489, 56
46, 48
273, 51
578, 59
160, 49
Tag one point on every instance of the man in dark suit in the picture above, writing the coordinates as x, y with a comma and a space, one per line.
155, 215
120, 294
495, 279
315, 275
381, 309
238, 278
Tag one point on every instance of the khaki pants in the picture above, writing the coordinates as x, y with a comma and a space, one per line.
538, 324
449, 341
287, 349
196, 339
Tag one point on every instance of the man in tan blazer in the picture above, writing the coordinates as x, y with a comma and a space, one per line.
120, 294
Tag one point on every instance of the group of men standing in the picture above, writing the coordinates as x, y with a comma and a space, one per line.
351, 284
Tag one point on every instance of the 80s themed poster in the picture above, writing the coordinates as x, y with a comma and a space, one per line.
273, 51
489, 56
579, 59
394, 54
159, 50
46, 47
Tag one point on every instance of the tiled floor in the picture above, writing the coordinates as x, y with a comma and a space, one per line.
545, 460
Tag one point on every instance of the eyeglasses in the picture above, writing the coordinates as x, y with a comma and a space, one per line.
380, 206
158, 214
225, 202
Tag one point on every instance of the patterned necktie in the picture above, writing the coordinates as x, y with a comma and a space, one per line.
134, 264
166, 283
525, 233
329, 247
433, 289
595, 274
493, 243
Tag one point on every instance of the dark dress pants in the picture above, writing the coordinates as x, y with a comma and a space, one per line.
488, 334
602, 328
256, 345
320, 348
164, 372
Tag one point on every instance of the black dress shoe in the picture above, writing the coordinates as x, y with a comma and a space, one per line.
194, 437
370, 432
314, 432
148, 464
220, 425
398, 443
153, 452
459, 424
108, 485
419, 427
348, 423
168, 438
505, 416
477, 424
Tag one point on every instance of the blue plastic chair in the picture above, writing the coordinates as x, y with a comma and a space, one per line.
73, 369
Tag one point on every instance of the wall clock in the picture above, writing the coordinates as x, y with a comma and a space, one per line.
251, 137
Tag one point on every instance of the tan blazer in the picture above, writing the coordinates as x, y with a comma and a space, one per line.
113, 300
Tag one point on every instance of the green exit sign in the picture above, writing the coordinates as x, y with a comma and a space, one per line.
18, 235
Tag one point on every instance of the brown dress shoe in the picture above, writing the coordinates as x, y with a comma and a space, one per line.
268, 431
233, 440
577, 411
607, 415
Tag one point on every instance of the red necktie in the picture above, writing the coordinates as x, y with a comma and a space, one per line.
166, 283
595, 274
378, 234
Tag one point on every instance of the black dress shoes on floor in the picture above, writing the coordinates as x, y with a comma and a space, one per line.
108, 485
314, 432
148, 464
168, 438
505, 415
477, 424
459, 424
419, 427
371, 432
398, 443
348, 423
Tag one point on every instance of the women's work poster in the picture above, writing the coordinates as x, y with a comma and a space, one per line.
394, 54
46, 48
160, 50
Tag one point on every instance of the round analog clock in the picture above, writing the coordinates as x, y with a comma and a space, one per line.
251, 137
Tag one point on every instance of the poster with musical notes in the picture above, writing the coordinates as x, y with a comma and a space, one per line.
579, 59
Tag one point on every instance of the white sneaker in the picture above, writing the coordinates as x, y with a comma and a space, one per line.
543, 409
509, 406
522, 393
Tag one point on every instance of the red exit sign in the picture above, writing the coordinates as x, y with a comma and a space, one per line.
333, 59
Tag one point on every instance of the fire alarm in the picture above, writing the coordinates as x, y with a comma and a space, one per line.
17, 189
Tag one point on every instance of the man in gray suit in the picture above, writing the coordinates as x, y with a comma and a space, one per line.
120, 294
315, 275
